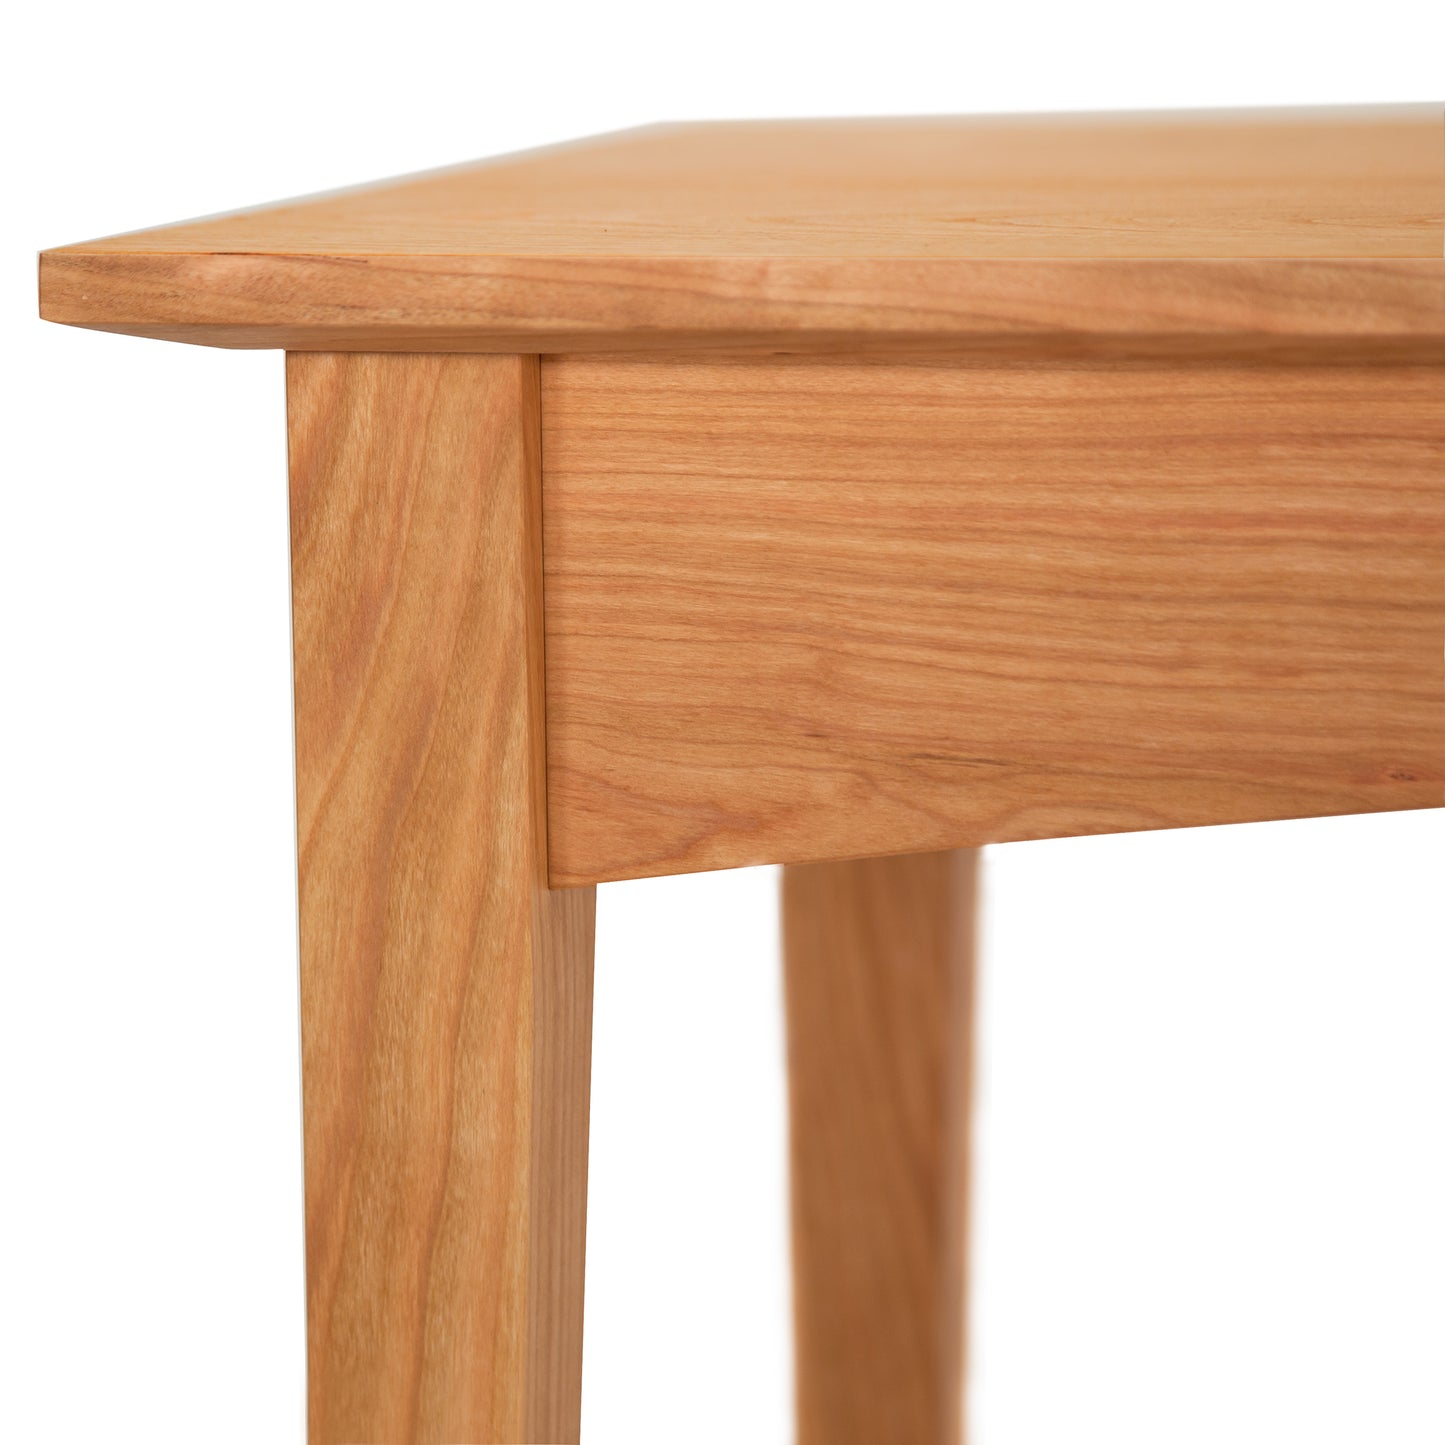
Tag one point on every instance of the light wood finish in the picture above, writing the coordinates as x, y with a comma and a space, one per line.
879, 966
800, 609
446, 993
1145, 233
907, 485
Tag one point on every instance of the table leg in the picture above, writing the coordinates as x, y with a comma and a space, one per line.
879, 969
445, 990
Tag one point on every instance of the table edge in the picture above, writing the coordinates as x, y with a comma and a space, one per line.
548, 304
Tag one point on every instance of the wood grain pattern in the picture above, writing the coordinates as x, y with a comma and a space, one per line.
1145, 232
800, 609
879, 968
446, 992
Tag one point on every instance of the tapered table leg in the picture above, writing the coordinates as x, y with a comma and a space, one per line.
879, 969
446, 992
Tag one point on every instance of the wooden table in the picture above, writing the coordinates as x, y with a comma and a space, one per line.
841, 494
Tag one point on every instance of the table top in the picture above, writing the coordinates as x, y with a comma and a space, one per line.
815, 232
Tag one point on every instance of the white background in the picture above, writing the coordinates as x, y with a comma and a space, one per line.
1213, 1083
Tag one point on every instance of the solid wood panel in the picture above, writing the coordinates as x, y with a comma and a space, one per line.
445, 991
879, 968
1143, 231
799, 609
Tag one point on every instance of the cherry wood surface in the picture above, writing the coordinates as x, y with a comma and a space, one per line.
445, 990
879, 969
1262, 230
801, 609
